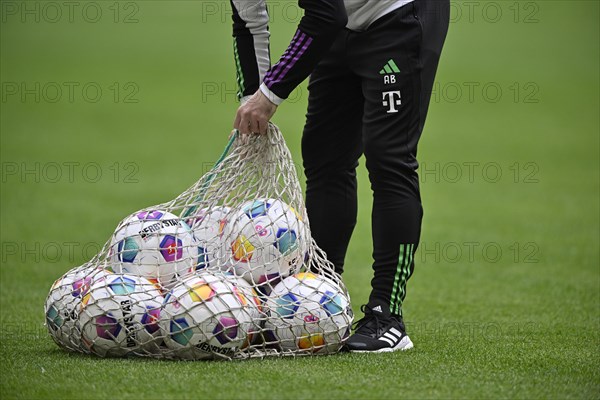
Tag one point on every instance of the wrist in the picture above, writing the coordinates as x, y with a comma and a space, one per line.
245, 99
272, 97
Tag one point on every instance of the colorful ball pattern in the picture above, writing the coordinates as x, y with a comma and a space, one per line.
64, 301
156, 245
268, 241
309, 312
120, 315
209, 228
206, 316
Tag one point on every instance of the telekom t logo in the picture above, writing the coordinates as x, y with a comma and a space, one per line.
392, 100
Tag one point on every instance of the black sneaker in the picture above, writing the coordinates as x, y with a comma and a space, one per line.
378, 332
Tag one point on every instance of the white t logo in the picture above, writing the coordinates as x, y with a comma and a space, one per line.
392, 100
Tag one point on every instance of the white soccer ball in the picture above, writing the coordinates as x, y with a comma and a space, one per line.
120, 315
269, 241
309, 313
209, 227
63, 304
207, 316
156, 245
254, 308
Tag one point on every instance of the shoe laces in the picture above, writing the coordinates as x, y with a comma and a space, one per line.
372, 324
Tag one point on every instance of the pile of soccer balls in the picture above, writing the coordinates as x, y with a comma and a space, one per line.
221, 283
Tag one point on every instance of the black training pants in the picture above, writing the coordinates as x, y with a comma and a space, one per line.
370, 95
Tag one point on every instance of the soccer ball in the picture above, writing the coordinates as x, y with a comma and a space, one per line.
309, 313
207, 317
120, 315
63, 303
269, 241
254, 306
208, 227
156, 245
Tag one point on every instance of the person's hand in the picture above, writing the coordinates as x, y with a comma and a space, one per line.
254, 115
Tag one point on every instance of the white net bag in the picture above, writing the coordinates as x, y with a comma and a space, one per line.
226, 270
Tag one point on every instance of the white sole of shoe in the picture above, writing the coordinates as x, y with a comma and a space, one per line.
403, 345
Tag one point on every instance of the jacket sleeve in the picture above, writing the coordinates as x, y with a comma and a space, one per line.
319, 26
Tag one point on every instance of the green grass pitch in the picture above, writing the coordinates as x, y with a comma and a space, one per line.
110, 107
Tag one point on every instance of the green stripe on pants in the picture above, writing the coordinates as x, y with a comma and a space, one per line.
240, 74
402, 274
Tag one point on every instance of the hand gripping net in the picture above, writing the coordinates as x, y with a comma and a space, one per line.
226, 270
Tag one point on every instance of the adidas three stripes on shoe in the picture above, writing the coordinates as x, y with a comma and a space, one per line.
378, 332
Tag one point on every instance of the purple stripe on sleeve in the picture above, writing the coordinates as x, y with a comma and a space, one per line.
290, 52
291, 64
